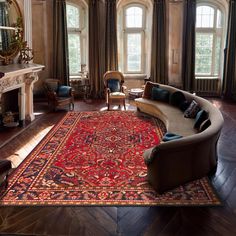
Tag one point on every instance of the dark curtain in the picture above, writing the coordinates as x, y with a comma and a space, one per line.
96, 46
229, 79
4, 21
188, 47
159, 72
111, 53
60, 42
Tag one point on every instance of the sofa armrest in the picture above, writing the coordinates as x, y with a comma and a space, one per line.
149, 155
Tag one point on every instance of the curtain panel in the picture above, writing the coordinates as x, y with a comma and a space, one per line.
96, 47
188, 47
60, 42
229, 79
111, 53
159, 62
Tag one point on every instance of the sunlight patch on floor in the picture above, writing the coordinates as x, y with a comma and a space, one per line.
21, 153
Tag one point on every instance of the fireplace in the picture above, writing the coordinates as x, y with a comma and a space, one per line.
10, 108
16, 90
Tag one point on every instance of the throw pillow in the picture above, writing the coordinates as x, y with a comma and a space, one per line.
184, 105
159, 94
177, 98
200, 117
170, 136
64, 91
205, 124
148, 89
113, 85
192, 110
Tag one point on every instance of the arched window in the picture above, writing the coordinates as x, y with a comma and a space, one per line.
210, 22
76, 28
134, 33
134, 30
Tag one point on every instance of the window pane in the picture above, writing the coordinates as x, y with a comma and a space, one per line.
203, 56
205, 17
217, 56
74, 53
134, 17
72, 14
219, 23
134, 52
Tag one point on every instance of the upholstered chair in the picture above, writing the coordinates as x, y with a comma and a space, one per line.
58, 95
114, 89
5, 167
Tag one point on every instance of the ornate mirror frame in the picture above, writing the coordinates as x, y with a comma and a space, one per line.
16, 28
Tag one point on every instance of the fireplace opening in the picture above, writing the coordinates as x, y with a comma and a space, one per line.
10, 108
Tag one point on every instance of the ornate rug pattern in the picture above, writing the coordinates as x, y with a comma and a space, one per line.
95, 158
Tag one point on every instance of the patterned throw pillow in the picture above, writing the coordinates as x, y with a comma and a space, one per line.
192, 110
200, 117
184, 105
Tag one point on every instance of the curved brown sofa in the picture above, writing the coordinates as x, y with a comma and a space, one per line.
176, 162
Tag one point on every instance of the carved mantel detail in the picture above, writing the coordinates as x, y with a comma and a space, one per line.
22, 77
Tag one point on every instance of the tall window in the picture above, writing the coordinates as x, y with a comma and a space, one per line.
134, 37
209, 41
75, 28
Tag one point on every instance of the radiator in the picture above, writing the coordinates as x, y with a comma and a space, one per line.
207, 87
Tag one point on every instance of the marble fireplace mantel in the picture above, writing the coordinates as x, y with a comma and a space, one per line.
22, 77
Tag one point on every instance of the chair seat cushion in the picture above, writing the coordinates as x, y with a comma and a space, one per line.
117, 95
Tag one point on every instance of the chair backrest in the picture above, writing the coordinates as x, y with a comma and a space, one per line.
51, 85
113, 80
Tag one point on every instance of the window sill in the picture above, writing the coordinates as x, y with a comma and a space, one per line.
207, 77
135, 76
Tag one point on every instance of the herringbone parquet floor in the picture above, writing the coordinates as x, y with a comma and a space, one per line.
124, 220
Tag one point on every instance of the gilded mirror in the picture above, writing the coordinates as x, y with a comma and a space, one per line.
11, 30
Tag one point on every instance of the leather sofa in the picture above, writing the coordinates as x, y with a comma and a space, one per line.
191, 157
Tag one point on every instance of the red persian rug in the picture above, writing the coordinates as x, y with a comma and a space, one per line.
95, 158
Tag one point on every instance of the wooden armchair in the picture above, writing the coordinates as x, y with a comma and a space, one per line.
58, 95
114, 89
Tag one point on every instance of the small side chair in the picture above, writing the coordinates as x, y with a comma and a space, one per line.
58, 95
114, 89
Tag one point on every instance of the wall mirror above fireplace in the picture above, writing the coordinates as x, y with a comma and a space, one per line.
11, 30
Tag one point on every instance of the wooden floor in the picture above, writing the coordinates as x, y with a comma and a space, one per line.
123, 220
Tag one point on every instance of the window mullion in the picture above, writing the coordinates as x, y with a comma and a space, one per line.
213, 54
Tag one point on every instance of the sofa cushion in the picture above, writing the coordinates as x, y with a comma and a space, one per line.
159, 94
200, 117
205, 124
170, 136
170, 115
177, 98
192, 110
184, 105
148, 89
